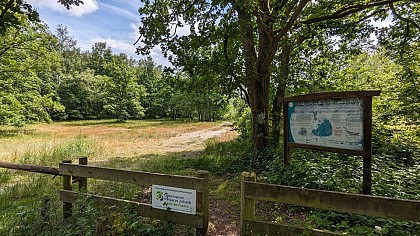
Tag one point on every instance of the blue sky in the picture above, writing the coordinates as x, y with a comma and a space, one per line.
112, 21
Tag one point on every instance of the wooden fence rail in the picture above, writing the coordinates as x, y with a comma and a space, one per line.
31, 168
133, 177
82, 172
343, 202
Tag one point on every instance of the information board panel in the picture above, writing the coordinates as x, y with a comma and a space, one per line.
339, 122
174, 199
335, 123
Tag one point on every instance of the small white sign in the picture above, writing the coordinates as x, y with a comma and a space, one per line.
174, 199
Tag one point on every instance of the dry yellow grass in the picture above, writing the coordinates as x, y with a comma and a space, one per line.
122, 140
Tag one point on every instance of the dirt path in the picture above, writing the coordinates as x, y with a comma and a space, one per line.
224, 219
196, 140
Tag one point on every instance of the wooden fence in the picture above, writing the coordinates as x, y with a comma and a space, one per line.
342, 202
79, 173
82, 172
250, 192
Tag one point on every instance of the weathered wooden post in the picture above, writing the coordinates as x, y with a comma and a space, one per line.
367, 145
83, 180
67, 185
247, 204
45, 209
203, 203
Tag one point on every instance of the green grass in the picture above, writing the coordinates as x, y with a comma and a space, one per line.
24, 190
21, 192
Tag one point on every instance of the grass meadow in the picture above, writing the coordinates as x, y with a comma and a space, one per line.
153, 146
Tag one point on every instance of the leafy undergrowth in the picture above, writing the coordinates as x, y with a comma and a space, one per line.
395, 173
90, 219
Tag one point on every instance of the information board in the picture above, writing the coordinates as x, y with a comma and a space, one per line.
336, 123
339, 122
174, 199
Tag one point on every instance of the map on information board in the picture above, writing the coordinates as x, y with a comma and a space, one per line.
328, 123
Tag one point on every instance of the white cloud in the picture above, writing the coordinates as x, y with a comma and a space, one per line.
158, 58
156, 52
380, 24
120, 11
134, 35
117, 46
122, 46
88, 7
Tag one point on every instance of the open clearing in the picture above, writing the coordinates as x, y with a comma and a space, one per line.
124, 145
126, 140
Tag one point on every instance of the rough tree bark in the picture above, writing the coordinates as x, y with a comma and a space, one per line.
257, 72
280, 93
258, 66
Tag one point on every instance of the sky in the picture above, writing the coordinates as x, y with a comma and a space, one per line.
112, 21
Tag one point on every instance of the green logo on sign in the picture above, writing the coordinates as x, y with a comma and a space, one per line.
159, 195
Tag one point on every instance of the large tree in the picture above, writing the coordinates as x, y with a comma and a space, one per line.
28, 65
123, 92
265, 28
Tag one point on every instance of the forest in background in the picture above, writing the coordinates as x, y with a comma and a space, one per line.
46, 77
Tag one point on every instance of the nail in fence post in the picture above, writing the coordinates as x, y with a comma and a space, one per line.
83, 181
247, 204
203, 198
67, 185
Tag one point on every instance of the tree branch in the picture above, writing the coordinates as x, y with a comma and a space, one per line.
404, 42
348, 11
245, 92
407, 20
281, 32
234, 76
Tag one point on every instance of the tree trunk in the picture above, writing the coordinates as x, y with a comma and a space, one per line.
258, 91
257, 73
281, 88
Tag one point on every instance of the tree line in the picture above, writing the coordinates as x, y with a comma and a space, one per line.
45, 76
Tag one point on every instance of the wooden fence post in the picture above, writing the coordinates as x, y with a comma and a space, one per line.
367, 145
203, 198
67, 185
247, 205
83, 181
45, 209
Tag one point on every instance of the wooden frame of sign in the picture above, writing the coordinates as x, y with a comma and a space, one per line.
339, 122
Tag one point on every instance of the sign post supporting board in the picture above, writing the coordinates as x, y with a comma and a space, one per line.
338, 122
